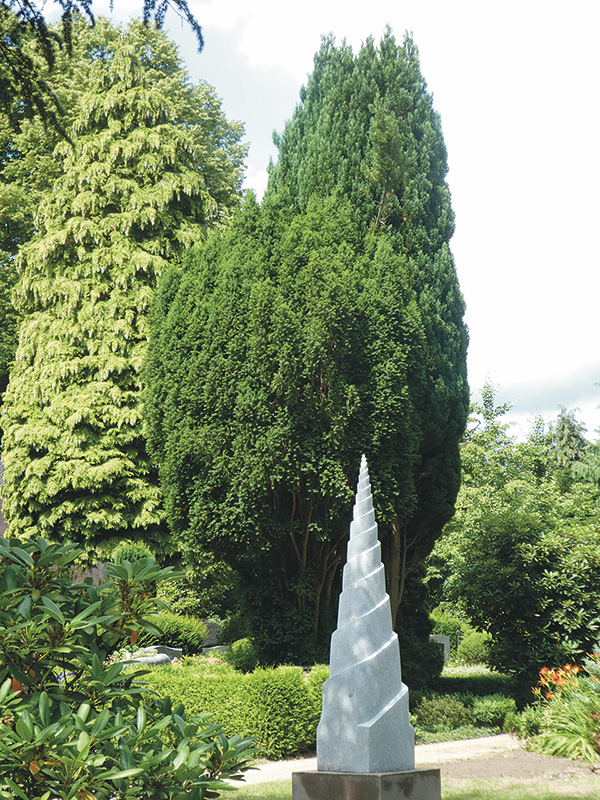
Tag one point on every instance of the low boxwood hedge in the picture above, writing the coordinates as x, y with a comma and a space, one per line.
279, 706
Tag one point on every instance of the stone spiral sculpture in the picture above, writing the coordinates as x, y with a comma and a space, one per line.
365, 725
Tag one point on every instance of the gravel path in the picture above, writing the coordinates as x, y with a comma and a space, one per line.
425, 754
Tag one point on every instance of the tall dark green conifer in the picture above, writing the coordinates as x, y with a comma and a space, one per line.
153, 166
325, 324
366, 128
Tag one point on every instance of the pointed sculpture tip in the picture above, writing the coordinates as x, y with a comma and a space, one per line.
363, 461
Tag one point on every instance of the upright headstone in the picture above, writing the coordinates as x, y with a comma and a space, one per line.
365, 742
444, 643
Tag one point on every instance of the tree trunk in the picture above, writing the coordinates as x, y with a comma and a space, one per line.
397, 566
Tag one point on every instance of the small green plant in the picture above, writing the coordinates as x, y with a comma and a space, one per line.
175, 630
442, 714
234, 627
130, 551
526, 724
492, 711
475, 648
242, 655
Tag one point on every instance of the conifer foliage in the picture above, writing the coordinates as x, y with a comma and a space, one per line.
326, 323
153, 165
29, 48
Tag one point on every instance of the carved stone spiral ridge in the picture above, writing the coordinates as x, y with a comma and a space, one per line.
365, 725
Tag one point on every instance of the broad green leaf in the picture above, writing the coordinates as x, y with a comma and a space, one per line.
16, 789
23, 555
24, 607
181, 757
83, 743
127, 773
44, 708
53, 610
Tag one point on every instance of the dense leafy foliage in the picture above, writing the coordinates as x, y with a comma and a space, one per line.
29, 50
74, 725
242, 655
522, 555
278, 707
153, 166
8, 329
324, 324
175, 630
208, 589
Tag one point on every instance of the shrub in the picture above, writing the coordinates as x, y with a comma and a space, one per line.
479, 681
475, 648
526, 724
492, 711
72, 725
234, 627
273, 705
532, 578
314, 685
175, 630
242, 655
570, 719
282, 715
220, 692
206, 590
130, 551
442, 714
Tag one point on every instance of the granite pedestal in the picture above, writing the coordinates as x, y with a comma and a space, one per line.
412, 784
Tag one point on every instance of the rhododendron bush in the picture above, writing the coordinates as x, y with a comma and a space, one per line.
75, 725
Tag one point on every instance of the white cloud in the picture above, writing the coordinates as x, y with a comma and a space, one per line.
257, 181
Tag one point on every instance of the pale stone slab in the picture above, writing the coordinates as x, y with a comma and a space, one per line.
156, 655
444, 642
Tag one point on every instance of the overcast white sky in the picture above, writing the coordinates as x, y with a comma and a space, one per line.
516, 84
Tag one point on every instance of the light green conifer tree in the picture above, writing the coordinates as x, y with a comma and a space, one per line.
153, 166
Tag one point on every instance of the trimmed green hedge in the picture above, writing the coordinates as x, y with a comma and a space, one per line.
443, 714
475, 648
280, 706
282, 714
479, 685
493, 710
